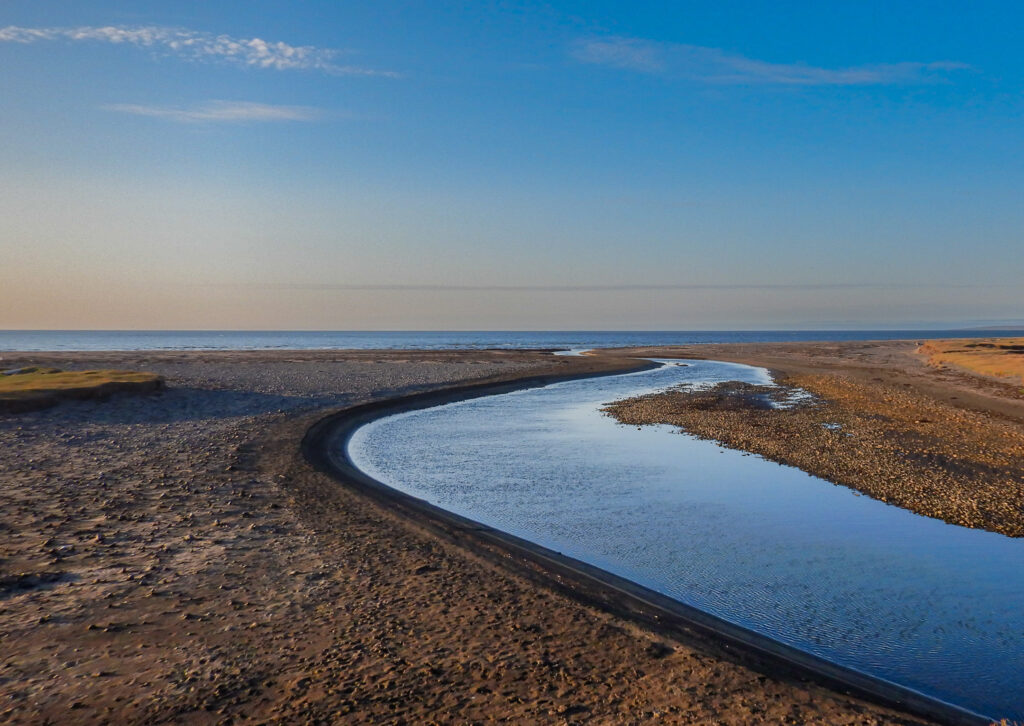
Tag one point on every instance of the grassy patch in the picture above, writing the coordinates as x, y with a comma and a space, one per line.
37, 387
997, 357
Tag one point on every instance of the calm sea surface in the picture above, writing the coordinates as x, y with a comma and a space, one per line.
57, 340
914, 600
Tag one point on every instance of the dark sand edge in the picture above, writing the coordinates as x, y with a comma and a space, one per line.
324, 448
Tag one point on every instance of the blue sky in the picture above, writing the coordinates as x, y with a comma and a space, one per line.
510, 165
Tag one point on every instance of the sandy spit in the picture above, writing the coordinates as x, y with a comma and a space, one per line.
172, 558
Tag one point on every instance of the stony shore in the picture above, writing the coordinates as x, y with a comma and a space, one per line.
941, 443
172, 558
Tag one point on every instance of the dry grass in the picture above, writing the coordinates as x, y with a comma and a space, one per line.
37, 380
997, 357
35, 387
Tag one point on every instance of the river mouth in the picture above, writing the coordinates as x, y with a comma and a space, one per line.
878, 589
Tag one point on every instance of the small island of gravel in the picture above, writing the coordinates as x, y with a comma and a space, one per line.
877, 420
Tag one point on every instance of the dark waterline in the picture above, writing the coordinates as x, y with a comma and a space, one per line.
126, 340
915, 601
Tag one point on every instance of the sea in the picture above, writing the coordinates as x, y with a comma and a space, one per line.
128, 340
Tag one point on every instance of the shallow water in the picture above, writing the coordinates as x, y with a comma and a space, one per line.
914, 600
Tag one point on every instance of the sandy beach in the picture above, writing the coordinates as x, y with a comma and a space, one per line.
173, 558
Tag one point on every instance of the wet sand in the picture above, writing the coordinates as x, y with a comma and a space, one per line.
938, 441
173, 558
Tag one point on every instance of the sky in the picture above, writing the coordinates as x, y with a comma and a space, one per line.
510, 165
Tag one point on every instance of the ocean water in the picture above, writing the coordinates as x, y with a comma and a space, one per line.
73, 340
929, 605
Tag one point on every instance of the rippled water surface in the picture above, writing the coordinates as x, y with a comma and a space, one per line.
926, 604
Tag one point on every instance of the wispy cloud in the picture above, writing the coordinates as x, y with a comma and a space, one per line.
199, 46
630, 53
415, 287
713, 65
222, 112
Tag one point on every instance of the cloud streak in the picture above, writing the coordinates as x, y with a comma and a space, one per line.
603, 288
713, 65
195, 45
222, 112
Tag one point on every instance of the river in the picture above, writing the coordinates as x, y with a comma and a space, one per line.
928, 605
